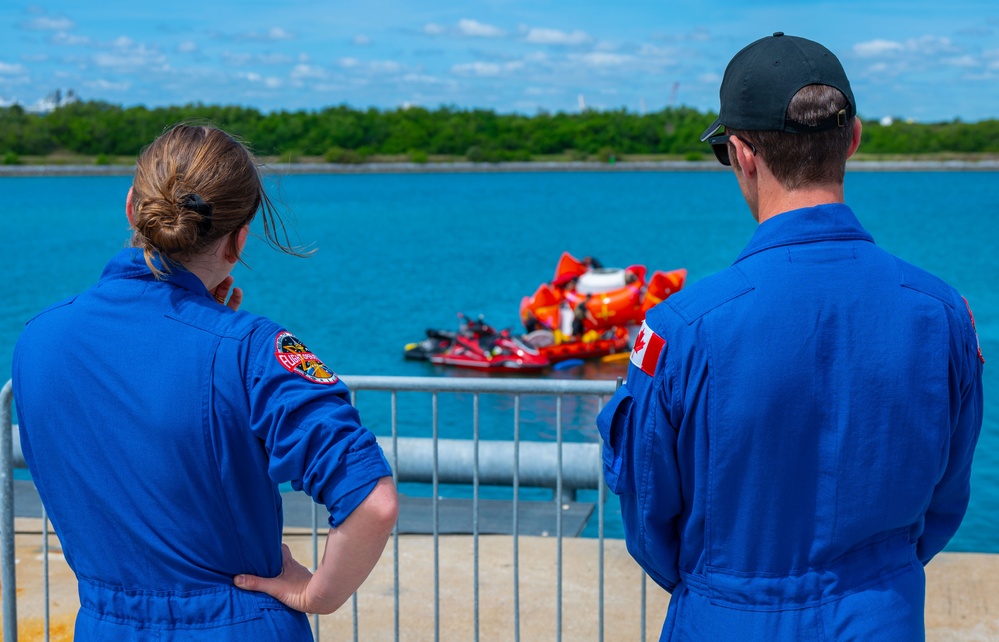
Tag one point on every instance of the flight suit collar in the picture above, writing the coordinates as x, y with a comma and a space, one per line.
832, 222
130, 263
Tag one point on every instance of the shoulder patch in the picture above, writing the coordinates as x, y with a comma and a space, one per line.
295, 357
977, 340
648, 347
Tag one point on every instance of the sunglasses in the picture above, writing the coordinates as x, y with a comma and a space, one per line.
719, 145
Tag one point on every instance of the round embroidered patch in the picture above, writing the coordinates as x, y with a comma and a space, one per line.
295, 357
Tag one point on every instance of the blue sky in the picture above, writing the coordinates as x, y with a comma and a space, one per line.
929, 61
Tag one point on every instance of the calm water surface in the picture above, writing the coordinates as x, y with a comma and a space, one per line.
395, 254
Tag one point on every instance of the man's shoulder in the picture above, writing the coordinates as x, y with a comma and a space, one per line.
918, 279
698, 299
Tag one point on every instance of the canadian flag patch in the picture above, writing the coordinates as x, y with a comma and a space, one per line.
648, 347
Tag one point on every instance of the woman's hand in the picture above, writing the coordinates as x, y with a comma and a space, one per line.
290, 587
352, 550
222, 291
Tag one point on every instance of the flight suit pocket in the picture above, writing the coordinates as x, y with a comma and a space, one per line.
616, 430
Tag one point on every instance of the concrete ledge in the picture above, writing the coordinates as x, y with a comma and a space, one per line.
462, 167
962, 591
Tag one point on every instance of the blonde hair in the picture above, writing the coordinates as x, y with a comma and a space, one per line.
194, 185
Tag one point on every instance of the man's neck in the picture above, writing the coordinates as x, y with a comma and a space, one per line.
777, 200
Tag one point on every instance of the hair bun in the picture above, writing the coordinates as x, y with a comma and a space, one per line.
170, 225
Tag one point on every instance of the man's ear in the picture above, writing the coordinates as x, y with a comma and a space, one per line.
858, 127
744, 156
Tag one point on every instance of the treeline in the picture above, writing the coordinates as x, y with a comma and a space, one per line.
346, 135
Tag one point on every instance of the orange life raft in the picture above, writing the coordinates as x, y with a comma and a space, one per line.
610, 296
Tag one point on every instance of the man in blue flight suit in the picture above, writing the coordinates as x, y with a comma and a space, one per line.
795, 437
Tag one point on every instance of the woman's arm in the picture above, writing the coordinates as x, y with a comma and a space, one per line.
352, 550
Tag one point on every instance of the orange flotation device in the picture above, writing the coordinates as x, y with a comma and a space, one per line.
609, 296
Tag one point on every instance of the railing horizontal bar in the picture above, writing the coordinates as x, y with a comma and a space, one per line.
539, 461
464, 384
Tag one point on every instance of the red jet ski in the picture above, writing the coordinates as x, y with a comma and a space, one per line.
480, 346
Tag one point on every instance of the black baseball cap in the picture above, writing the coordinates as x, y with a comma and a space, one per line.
761, 80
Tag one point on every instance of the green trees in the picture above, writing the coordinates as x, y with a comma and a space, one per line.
346, 135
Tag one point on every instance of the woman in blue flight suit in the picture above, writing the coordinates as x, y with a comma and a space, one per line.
162, 482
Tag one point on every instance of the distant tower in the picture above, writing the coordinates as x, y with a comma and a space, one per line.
641, 105
582, 103
672, 93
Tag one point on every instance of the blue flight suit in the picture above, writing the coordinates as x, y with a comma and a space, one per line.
795, 437
157, 425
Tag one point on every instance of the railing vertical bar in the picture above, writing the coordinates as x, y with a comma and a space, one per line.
516, 518
436, 502
353, 598
7, 517
395, 529
475, 511
354, 615
559, 504
643, 608
46, 586
601, 498
315, 562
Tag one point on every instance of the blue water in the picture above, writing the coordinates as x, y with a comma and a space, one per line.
396, 254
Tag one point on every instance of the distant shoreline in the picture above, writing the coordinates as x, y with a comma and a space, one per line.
480, 168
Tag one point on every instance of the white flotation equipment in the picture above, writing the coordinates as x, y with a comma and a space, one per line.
601, 280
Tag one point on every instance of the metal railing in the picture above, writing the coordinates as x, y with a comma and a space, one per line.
513, 463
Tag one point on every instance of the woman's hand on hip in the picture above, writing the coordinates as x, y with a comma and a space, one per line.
289, 588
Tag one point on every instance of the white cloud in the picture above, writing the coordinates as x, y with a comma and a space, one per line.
425, 79
63, 38
962, 61
874, 48
273, 34
540, 91
307, 71
477, 69
107, 85
922, 46
270, 81
384, 66
361, 40
486, 69
433, 29
603, 59
188, 46
125, 54
540, 36
237, 59
478, 29
46, 23
931, 45
347, 63
273, 59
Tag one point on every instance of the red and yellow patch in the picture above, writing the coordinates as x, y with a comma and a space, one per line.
295, 357
972, 315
